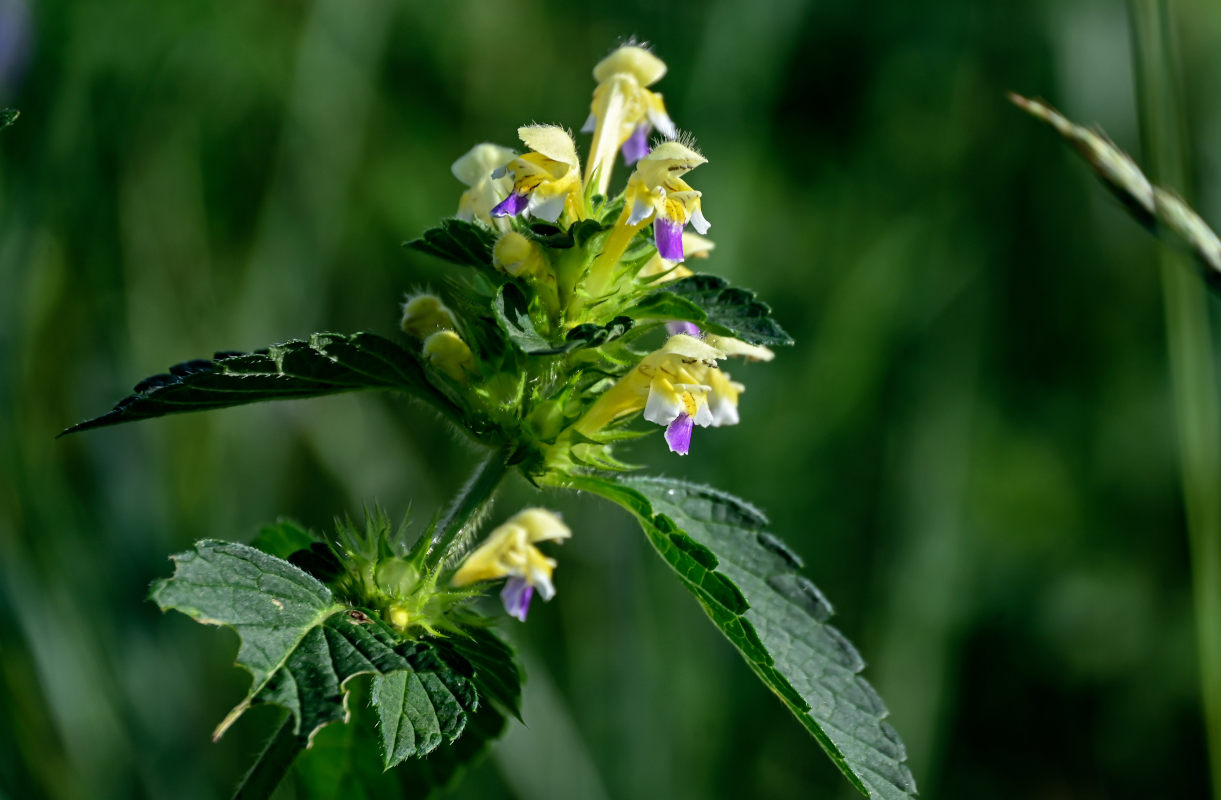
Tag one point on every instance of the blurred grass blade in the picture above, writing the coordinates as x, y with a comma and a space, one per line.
1160, 210
1189, 342
8, 116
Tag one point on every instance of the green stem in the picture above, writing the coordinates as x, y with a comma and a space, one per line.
1192, 359
272, 764
468, 507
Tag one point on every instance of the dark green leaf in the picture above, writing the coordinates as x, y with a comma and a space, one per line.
283, 539
300, 646
325, 364
744, 578
466, 243
419, 708
513, 315
8, 116
345, 762
495, 672
423, 777
714, 305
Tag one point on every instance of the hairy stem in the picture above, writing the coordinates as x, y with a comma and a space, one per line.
468, 507
1192, 360
272, 764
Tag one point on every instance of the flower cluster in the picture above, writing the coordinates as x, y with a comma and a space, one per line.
568, 272
579, 312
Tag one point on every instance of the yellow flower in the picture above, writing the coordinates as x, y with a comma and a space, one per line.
657, 192
624, 112
671, 386
475, 170
510, 552
547, 180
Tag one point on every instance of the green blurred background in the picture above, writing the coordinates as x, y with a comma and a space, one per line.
971, 443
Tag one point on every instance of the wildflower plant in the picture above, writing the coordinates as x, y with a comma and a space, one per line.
572, 321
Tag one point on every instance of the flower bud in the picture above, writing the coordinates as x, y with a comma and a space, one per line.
398, 617
446, 352
424, 314
518, 256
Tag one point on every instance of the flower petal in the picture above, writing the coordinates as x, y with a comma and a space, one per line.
640, 212
637, 145
547, 208
516, 596
480, 162
550, 140
699, 222
678, 434
688, 328
664, 404
661, 120
669, 237
512, 205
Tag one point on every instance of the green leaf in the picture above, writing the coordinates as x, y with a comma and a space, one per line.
466, 243
1161, 211
512, 311
496, 674
325, 364
747, 581
711, 303
417, 709
300, 646
345, 762
8, 116
440, 769
283, 539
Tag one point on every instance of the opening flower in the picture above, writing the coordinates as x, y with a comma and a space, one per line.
475, 170
624, 112
510, 552
547, 180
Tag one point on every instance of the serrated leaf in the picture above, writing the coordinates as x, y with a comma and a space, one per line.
300, 646
466, 243
439, 770
711, 303
513, 316
1159, 210
419, 709
8, 116
745, 579
495, 672
326, 363
345, 762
